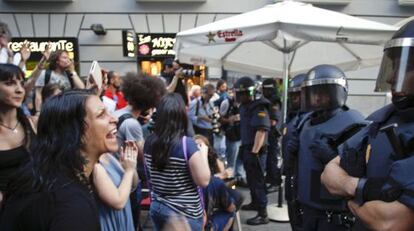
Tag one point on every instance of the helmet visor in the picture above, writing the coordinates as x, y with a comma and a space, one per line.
243, 96
397, 71
294, 101
323, 97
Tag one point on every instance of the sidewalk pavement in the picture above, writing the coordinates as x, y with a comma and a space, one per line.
272, 226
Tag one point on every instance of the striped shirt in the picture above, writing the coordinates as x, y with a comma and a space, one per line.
174, 185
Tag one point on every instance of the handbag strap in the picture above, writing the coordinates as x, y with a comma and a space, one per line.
147, 174
199, 190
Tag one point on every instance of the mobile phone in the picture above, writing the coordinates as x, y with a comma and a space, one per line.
95, 73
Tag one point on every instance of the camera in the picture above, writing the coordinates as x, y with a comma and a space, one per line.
215, 122
191, 72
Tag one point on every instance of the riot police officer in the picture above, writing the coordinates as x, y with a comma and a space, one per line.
273, 173
324, 92
294, 117
378, 160
254, 126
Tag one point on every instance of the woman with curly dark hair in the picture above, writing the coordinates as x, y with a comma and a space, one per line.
54, 192
142, 93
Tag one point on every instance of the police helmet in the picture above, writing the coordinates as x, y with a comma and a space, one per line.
269, 84
269, 88
397, 67
324, 88
245, 86
294, 92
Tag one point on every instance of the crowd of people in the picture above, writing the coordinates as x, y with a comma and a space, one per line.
75, 156
95, 182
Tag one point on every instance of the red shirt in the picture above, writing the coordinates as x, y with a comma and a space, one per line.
118, 98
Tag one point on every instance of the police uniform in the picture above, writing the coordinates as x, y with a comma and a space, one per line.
379, 155
253, 117
385, 152
273, 173
290, 172
294, 118
329, 118
317, 203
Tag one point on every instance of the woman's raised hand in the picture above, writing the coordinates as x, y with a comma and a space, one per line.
129, 156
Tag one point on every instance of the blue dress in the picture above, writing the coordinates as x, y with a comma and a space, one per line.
112, 219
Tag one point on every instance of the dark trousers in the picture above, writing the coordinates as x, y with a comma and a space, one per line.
255, 166
295, 217
273, 173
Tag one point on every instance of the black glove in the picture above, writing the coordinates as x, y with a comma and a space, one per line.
373, 191
407, 141
353, 162
293, 143
322, 149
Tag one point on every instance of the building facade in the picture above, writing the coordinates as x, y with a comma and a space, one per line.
73, 19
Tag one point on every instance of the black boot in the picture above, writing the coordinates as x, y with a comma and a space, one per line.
260, 219
250, 207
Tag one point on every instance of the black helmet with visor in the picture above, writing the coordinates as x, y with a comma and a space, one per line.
245, 86
397, 67
294, 92
324, 88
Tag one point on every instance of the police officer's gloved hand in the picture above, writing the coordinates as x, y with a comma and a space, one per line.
293, 143
353, 162
373, 190
322, 149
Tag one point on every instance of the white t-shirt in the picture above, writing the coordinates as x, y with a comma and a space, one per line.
55, 78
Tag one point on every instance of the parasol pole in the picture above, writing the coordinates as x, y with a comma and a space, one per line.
278, 212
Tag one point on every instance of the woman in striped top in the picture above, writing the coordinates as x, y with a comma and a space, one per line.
175, 175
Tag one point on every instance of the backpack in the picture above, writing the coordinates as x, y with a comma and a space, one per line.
48, 74
122, 118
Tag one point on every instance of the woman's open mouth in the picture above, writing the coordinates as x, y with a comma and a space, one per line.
112, 134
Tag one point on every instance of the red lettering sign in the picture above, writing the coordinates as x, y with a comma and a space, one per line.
228, 36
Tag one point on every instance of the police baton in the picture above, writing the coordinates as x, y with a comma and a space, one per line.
347, 133
395, 142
